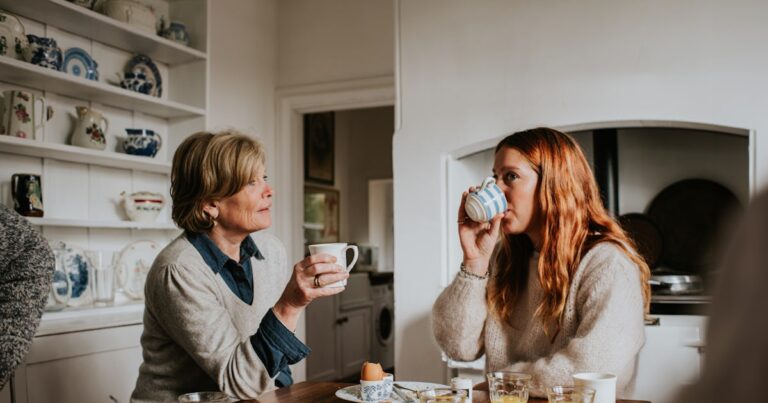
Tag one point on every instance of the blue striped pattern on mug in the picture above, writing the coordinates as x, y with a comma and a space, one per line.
493, 200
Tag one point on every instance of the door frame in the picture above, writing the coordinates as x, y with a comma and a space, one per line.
291, 103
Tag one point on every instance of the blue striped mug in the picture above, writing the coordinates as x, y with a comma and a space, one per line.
485, 202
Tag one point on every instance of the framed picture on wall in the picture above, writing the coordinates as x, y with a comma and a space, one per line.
319, 147
321, 215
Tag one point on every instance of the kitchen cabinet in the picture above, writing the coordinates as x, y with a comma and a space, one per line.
671, 357
98, 365
339, 331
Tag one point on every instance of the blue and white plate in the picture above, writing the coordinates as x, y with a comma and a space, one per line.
352, 393
78, 268
133, 266
143, 64
79, 63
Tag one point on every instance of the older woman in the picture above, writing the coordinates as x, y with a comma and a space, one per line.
221, 302
563, 290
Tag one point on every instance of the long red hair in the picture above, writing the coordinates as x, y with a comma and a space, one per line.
573, 219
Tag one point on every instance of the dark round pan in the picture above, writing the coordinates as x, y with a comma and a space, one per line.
691, 215
646, 236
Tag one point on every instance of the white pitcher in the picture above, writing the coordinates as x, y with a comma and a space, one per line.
20, 118
89, 131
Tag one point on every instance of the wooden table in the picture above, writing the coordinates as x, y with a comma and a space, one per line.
324, 392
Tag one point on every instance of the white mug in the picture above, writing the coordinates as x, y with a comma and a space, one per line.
604, 385
340, 251
485, 202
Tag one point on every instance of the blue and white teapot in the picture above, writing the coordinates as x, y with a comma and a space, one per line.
142, 142
43, 52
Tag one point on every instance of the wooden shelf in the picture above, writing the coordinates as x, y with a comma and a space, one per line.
98, 27
44, 79
62, 222
63, 152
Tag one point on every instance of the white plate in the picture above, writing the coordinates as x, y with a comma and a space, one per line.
12, 30
71, 259
133, 265
352, 393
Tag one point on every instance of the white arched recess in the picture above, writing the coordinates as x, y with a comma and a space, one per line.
292, 102
453, 166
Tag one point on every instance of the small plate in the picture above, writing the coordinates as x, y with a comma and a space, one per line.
352, 393
143, 64
78, 268
79, 63
133, 265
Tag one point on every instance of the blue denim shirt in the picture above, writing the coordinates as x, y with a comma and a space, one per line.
276, 346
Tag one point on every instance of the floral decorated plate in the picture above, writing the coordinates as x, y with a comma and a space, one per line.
79, 63
352, 393
78, 269
133, 265
143, 64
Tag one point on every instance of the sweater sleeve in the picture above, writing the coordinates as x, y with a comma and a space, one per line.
26, 270
189, 311
610, 332
458, 318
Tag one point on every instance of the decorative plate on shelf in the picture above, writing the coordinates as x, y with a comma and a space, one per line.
79, 63
133, 265
78, 268
143, 64
13, 38
352, 393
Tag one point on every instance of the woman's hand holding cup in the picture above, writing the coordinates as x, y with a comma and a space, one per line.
478, 238
306, 284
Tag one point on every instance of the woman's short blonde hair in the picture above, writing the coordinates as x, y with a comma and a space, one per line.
210, 166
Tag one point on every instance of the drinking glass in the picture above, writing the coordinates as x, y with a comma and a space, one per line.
102, 277
204, 397
570, 394
508, 387
442, 395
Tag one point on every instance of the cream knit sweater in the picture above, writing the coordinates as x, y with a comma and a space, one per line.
602, 329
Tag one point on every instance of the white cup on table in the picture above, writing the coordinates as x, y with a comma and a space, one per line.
340, 251
603, 383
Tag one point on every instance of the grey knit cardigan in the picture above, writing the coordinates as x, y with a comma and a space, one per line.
26, 272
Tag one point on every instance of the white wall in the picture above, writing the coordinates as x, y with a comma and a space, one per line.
331, 40
363, 152
473, 71
243, 69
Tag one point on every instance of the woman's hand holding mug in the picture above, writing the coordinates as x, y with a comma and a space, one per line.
480, 214
306, 284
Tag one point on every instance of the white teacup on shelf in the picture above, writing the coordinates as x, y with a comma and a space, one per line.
143, 206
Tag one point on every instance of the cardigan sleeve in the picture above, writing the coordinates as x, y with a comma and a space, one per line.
458, 318
190, 312
610, 331
26, 271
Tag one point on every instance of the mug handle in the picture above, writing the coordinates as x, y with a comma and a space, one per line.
487, 182
354, 259
159, 141
106, 126
43, 115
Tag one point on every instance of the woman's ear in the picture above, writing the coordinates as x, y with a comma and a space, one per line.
211, 208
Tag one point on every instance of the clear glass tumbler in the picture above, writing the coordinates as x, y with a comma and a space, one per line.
102, 274
570, 394
508, 387
204, 397
442, 395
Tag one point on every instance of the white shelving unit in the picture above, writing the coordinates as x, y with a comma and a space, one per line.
90, 24
44, 79
62, 222
64, 152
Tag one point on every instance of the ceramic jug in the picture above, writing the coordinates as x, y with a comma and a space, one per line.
43, 52
89, 131
19, 116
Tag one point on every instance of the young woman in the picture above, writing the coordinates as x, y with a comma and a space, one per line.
552, 286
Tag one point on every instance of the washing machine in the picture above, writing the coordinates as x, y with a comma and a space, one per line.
383, 343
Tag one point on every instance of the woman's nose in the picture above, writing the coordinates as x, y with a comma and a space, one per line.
268, 191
